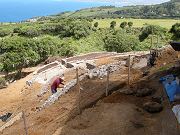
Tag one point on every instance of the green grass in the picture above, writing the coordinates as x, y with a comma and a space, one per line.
166, 23
92, 43
166, 67
89, 12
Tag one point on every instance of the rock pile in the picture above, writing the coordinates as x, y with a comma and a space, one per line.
102, 71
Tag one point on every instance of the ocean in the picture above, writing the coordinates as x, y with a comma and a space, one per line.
17, 10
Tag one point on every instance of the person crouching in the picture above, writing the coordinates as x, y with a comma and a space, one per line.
56, 84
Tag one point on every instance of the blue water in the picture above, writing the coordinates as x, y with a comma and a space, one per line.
19, 10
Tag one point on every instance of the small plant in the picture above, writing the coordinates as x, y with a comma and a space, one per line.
2, 83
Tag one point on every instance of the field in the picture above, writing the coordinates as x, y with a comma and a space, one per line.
166, 23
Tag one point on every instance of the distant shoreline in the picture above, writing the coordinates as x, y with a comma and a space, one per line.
17, 12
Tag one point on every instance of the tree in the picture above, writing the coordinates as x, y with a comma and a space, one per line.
175, 30
151, 30
96, 24
17, 53
74, 28
79, 29
120, 42
113, 24
123, 25
130, 24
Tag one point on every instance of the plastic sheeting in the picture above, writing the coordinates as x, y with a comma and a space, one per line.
176, 110
171, 86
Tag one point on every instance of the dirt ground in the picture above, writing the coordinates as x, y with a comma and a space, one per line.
117, 114
120, 114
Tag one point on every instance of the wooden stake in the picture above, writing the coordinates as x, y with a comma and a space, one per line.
79, 89
157, 39
107, 83
24, 120
129, 70
151, 41
45, 79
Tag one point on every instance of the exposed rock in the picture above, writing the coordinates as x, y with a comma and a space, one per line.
153, 107
11, 122
90, 66
143, 92
63, 61
5, 117
143, 62
69, 65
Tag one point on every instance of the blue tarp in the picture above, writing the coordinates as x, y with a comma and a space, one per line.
171, 86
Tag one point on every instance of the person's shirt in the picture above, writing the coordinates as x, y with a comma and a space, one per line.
56, 83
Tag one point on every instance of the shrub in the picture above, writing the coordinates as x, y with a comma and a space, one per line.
29, 31
175, 30
66, 48
4, 32
17, 30
130, 24
123, 25
113, 24
151, 29
80, 29
96, 24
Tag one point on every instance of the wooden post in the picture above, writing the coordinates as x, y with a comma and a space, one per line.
129, 70
24, 120
45, 79
107, 83
151, 41
78, 85
157, 39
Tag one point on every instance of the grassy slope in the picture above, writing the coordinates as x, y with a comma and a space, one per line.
111, 11
92, 43
88, 12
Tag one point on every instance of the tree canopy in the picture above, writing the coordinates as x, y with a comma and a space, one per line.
151, 30
120, 42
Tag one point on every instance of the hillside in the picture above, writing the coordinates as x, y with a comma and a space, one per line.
118, 113
165, 10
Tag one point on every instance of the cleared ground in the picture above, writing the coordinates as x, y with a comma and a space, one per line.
116, 114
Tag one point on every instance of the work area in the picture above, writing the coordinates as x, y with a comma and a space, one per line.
102, 94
